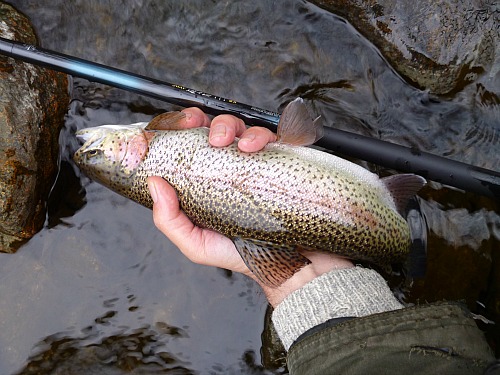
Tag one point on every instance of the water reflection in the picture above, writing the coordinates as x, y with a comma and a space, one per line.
142, 351
100, 289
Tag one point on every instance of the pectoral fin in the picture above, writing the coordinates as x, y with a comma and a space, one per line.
271, 263
167, 121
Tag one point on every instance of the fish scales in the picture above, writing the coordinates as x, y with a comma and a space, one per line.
283, 196
273, 197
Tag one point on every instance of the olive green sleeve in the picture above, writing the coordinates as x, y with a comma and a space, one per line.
350, 292
440, 338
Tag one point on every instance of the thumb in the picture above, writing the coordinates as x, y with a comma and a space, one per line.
167, 215
200, 246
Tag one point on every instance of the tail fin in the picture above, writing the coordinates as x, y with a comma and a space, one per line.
418, 231
403, 188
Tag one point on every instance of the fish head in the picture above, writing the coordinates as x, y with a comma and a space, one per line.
112, 153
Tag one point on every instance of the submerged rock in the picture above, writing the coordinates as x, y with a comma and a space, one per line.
33, 102
437, 45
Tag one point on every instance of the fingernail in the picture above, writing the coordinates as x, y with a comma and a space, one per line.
218, 131
152, 190
248, 137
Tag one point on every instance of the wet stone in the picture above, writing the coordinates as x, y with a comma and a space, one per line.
33, 102
437, 45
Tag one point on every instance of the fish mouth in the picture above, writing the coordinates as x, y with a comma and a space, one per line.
88, 139
89, 133
91, 137
83, 135
120, 148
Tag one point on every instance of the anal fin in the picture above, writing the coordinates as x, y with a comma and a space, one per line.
270, 262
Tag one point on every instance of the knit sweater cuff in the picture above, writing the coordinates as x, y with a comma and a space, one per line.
350, 292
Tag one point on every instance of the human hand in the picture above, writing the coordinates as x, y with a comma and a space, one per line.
210, 248
224, 128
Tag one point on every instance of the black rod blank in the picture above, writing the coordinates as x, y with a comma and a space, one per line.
388, 155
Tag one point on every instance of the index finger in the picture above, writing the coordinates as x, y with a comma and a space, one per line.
195, 118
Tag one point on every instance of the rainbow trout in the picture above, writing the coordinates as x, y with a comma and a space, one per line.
269, 203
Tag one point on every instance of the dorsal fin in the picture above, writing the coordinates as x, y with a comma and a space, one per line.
296, 127
402, 187
167, 121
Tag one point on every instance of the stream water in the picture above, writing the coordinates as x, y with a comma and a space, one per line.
101, 290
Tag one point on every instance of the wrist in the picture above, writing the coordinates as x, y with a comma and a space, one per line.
348, 292
321, 263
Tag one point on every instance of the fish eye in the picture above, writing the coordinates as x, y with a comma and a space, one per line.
93, 152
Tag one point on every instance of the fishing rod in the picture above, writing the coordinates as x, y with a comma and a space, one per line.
389, 155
